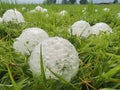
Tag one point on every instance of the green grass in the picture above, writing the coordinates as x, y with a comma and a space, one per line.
100, 56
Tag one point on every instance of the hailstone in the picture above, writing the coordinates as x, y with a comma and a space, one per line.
96, 10
32, 11
44, 10
47, 15
29, 38
59, 55
98, 27
84, 10
118, 15
106, 9
24, 8
63, 12
13, 16
107, 89
80, 28
38, 8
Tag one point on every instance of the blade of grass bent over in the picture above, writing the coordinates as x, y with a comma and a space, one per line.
42, 69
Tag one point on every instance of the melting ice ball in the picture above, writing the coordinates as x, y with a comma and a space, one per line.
13, 16
63, 13
39, 9
59, 55
80, 28
29, 38
100, 27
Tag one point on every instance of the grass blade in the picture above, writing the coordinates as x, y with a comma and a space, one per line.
42, 69
111, 72
12, 80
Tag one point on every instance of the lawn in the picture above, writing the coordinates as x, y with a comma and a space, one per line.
99, 54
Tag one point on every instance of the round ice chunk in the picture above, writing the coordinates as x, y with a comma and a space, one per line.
29, 38
13, 16
80, 28
100, 27
59, 55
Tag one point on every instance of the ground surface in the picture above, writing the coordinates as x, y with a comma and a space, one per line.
100, 55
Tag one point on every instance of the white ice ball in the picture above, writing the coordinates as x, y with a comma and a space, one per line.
32, 11
44, 10
100, 27
13, 16
84, 10
80, 28
24, 8
96, 10
59, 55
106, 9
29, 39
39, 8
47, 15
118, 15
63, 12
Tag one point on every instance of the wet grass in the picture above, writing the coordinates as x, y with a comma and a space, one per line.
100, 56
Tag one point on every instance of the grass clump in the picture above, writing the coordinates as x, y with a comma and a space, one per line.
100, 55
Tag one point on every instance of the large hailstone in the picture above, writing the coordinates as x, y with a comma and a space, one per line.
59, 55
13, 16
80, 28
29, 39
100, 27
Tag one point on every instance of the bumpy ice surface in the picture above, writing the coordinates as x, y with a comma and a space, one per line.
59, 55
13, 16
80, 28
29, 39
98, 27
